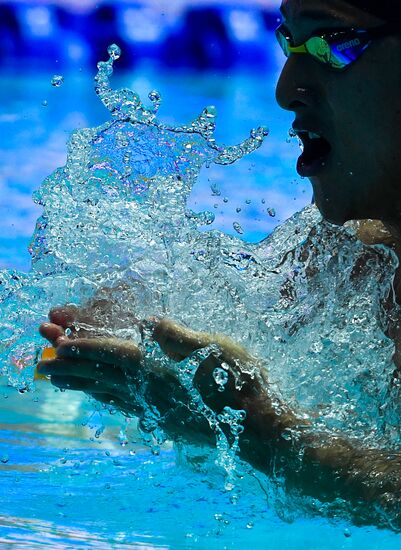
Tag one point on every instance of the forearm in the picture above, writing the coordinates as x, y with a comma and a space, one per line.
326, 467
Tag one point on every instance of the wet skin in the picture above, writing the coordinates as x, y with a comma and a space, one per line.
359, 112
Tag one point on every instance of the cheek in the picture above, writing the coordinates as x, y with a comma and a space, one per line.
368, 122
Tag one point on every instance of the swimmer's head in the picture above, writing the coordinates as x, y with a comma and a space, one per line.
355, 108
388, 10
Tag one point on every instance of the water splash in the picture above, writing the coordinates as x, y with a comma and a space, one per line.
115, 217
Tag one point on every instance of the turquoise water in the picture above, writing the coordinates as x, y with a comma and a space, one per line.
62, 490
77, 476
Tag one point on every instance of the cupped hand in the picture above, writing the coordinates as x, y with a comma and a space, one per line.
113, 372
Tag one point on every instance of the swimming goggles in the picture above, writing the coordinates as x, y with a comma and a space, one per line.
336, 49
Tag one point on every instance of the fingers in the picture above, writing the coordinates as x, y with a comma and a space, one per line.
113, 364
78, 383
177, 341
52, 332
63, 315
71, 317
109, 375
107, 350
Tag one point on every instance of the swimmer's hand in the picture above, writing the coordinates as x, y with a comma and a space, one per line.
112, 371
274, 441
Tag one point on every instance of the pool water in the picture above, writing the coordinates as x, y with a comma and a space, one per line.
80, 477
65, 488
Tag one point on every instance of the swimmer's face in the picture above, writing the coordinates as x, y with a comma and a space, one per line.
358, 111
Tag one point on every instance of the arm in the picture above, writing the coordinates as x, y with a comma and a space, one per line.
274, 440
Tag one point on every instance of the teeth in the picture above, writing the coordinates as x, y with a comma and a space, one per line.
311, 135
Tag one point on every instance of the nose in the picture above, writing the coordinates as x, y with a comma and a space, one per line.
292, 93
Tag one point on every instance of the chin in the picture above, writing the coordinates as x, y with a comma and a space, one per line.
331, 215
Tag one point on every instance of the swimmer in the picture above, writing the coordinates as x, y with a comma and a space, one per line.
342, 82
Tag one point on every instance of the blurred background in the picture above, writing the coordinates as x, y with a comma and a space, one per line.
200, 34
195, 52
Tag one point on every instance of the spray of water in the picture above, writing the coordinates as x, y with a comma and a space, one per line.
308, 300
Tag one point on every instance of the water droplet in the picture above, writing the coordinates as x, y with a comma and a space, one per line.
249, 525
347, 533
238, 228
57, 80
248, 201
229, 486
68, 332
45, 103
211, 111
220, 377
238, 209
215, 190
4, 459
114, 51
271, 212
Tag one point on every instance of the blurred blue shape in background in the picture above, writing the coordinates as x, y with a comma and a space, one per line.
216, 35
196, 53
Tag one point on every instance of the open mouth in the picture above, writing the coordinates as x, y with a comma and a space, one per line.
316, 150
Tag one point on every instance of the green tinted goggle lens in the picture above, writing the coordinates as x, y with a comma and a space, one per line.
318, 47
